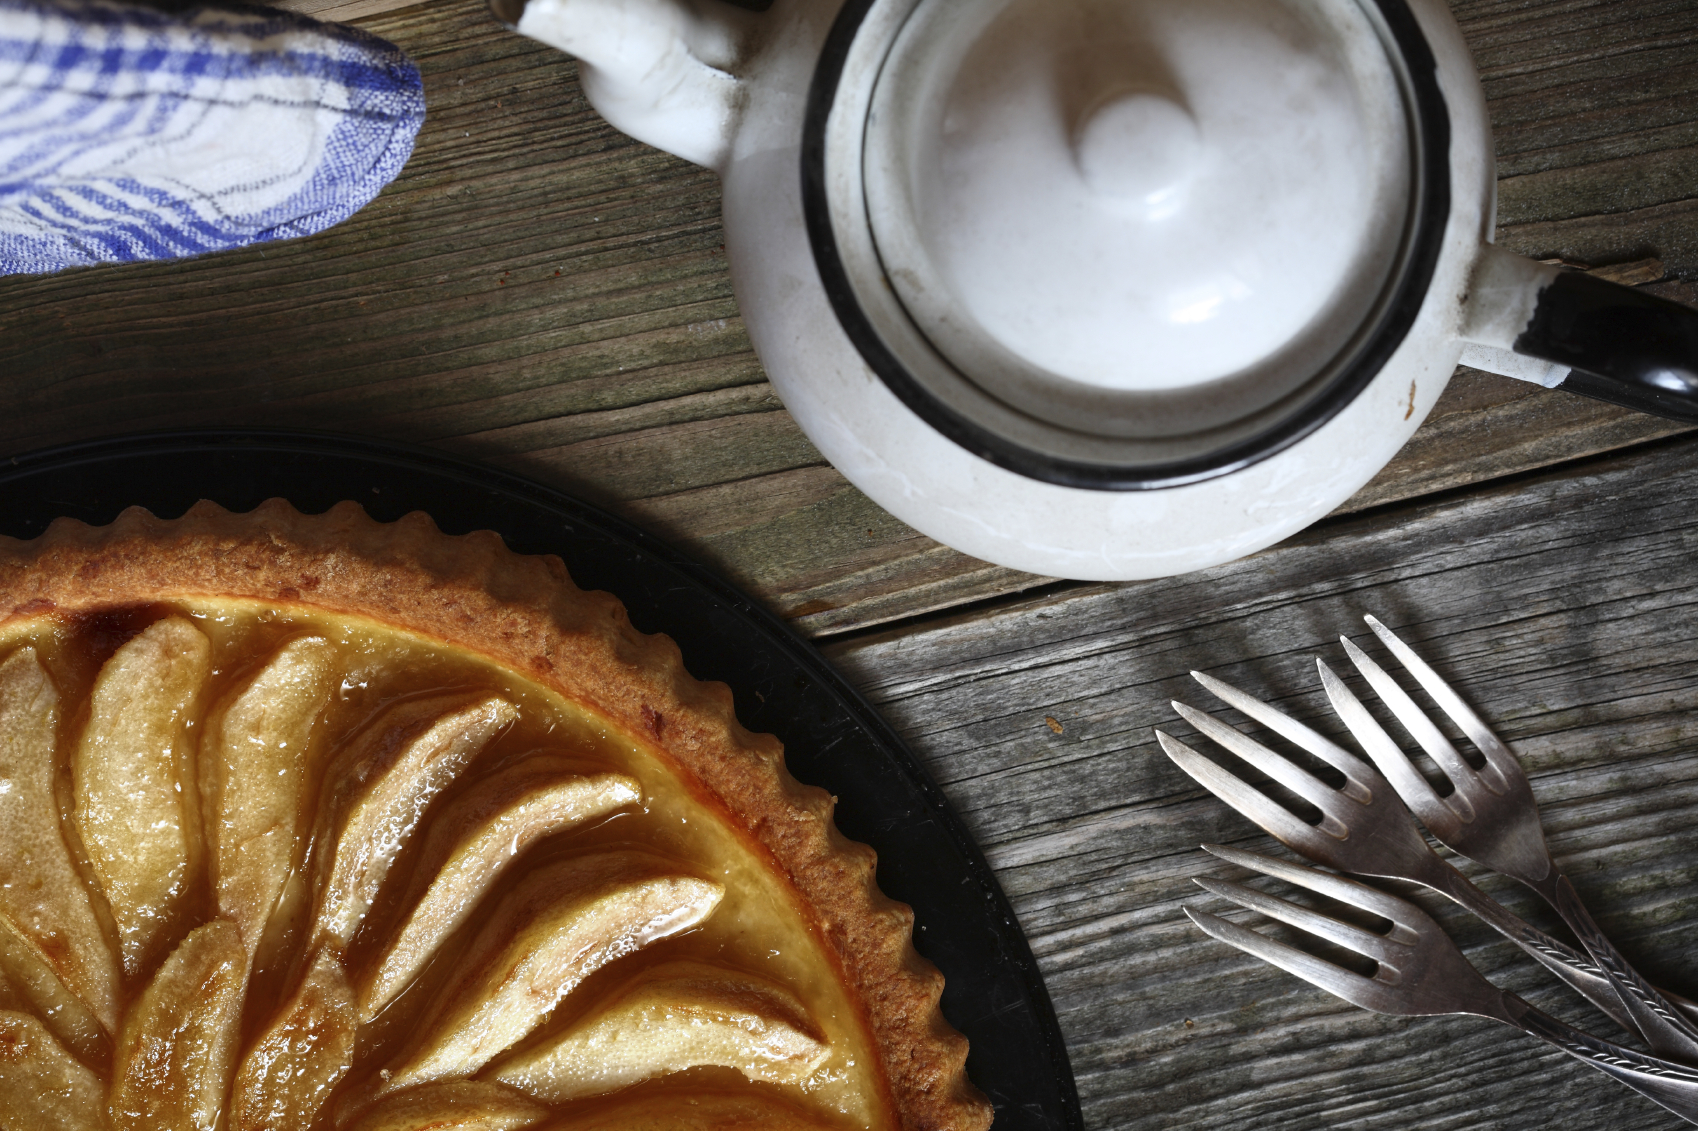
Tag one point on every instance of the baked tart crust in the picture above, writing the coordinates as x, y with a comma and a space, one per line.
524, 614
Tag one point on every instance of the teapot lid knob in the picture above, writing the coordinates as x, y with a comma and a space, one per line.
1137, 147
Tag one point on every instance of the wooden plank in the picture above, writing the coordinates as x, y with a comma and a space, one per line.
1563, 608
344, 11
1595, 123
535, 286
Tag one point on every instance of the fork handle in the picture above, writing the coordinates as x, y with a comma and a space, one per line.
1666, 1030
1675, 1086
1576, 969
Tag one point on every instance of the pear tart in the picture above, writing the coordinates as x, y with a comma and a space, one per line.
318, 822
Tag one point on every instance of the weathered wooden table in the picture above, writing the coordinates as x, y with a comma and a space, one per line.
540, 292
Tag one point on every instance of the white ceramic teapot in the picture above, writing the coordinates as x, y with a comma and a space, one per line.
1109, 289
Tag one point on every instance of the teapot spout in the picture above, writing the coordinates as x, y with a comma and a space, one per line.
661, 71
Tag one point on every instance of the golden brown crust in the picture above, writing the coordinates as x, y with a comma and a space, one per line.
525, 613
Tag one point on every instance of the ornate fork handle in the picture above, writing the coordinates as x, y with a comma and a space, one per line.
1653, 1014
1578, 970
1675, 1086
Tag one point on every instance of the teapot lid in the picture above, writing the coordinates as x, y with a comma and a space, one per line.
1127, 233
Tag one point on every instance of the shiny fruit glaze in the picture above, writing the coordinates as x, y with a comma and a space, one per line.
280, 868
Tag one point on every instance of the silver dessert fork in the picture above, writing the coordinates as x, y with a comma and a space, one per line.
1491, 818
1364, 829
1421, 972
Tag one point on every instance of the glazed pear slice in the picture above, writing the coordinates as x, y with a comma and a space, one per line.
290, 1070
52, 946
39, 1077
560, 924
378, 791
130, 774
67, 1016
677, 1016
253, 777
694, 1111
475, 840
12, 999
172, 1066
452, 1105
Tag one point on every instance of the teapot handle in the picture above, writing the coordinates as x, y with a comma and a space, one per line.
1622, 345
661, 71
1618, 344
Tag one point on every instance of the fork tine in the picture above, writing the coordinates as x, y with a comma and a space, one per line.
1353, 768
1274, 819
1392, 762
1414, 720
1286, 772
1496, 753
1347, 935
1347, 984
1344, 890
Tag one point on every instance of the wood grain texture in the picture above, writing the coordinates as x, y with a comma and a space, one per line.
540, 291
1564, 608
344, 11
1595, 124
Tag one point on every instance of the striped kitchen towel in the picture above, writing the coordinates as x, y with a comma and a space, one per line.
127, 133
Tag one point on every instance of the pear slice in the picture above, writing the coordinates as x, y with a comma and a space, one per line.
253, 777
290, 1070
695, 1111
556, 927
677, 1016
379, 789
67, 1016
130, 773
452, 1105
52, 947
172, 1066
39, 1077
474, 841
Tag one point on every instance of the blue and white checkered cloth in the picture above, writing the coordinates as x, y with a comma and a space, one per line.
127, 133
